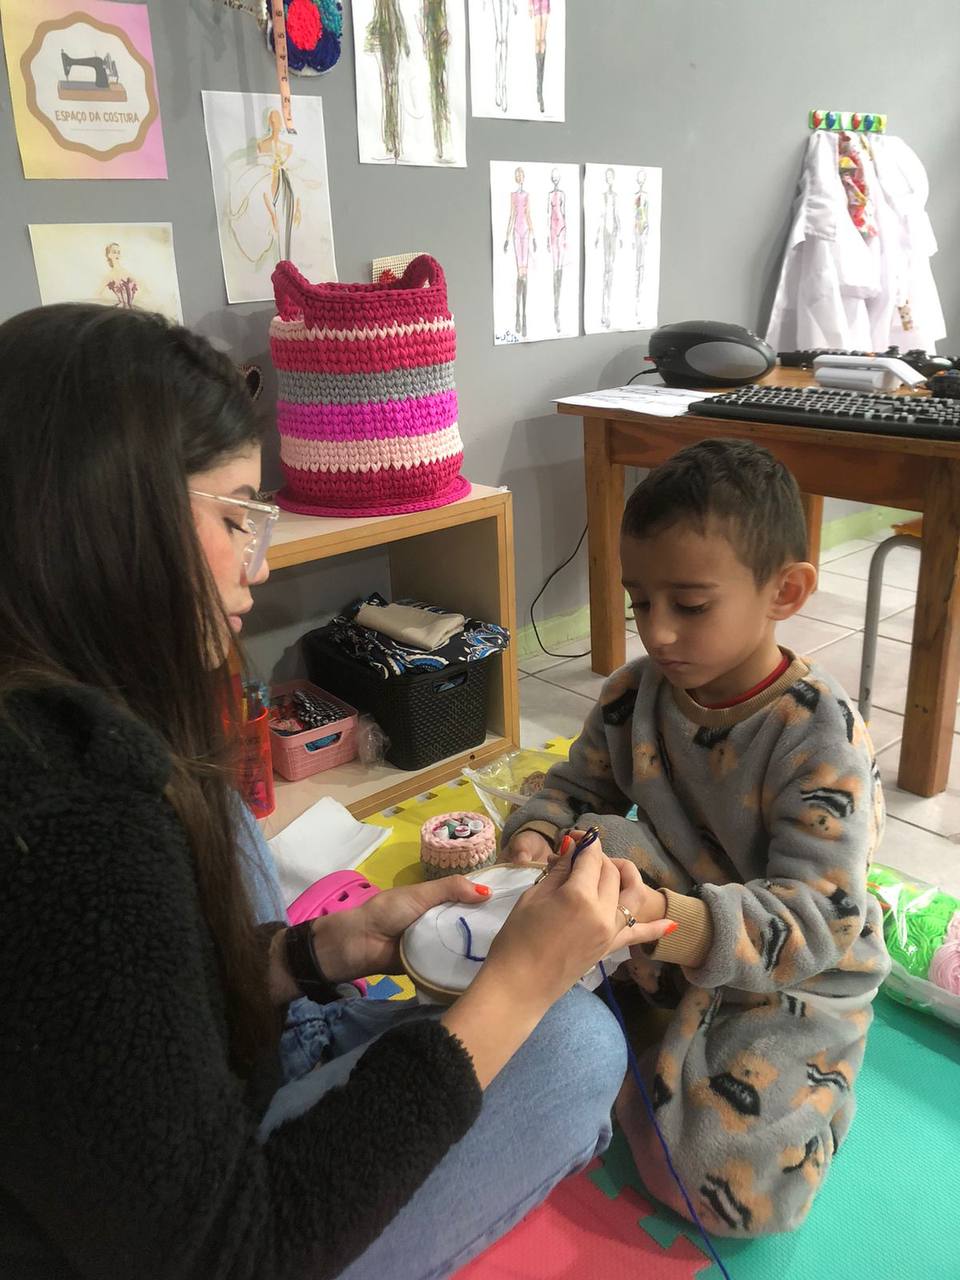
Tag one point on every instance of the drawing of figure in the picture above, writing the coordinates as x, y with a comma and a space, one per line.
119, 284
387, 39
279, 201
520, 226
609, 229
501, 28
436, 42
540, 12
268, 180
641, 224
557, 239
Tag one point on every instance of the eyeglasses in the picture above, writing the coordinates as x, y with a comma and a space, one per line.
257, 523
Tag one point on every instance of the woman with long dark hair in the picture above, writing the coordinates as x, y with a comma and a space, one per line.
157, 1119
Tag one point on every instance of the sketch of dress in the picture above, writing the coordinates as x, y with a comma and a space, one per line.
609, 229
264, 206
501, 28
557, 239
436, 43
641, 225
119, 283
387, 39
520, 227
540, 12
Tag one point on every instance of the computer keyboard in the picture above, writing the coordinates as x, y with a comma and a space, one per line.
877, 414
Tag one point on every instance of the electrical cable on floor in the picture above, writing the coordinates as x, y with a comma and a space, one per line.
533, 621
628, 617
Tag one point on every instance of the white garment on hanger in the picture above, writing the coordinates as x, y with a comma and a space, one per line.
838, 289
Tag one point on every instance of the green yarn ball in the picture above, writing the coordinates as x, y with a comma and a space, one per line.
916, 923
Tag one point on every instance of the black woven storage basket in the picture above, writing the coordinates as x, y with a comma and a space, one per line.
427, 715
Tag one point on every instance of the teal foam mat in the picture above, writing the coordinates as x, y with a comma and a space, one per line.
890, 1207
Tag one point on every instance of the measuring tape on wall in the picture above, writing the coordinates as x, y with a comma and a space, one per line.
279, 47
283, 66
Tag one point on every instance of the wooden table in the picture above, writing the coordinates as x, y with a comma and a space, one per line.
905, 472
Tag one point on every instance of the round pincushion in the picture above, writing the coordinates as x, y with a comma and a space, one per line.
456, 843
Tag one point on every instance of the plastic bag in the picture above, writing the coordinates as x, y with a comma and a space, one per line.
507, 784
921, 927
372, 743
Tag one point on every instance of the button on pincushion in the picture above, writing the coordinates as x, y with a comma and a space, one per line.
456, 843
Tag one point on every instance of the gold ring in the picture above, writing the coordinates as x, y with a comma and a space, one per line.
628, 915
543, 875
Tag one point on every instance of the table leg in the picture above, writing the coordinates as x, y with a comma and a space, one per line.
604, 479
935, 658
813, 514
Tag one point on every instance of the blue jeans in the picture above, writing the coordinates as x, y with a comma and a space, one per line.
546, 1115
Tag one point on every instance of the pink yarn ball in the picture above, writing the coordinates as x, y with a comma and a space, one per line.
945, 966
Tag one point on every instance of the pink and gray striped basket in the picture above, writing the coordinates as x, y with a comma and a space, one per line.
367, 409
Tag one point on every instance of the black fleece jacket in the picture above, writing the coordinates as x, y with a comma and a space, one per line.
127, 1144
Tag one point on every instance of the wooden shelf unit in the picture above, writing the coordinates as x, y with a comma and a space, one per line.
461, 556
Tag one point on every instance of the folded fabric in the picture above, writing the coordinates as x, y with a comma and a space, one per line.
389, 658
416, 628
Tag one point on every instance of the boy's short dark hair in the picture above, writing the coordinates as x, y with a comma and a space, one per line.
735, 482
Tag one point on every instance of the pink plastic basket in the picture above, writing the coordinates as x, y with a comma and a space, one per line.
297, 755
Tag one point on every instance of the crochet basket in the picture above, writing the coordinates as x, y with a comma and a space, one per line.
366, 409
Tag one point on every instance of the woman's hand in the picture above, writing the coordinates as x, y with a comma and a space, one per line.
561, 927
366, 940
558, 931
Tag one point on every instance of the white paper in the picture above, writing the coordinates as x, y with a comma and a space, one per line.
270, 188
535, 215
324, 839
411, 62
664, 402
509, 79
130, 265
621, 218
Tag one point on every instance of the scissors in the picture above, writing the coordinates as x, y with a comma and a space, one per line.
589, 837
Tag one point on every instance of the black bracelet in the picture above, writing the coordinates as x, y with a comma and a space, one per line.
304, 966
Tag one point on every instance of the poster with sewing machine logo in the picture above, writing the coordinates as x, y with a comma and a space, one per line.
84, 89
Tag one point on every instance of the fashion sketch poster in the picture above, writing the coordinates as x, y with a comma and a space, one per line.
621, 227
411, 63
270, 188
535, 216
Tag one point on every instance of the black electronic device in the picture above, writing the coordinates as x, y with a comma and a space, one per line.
945, 384
924, 362
709, 353
837, 410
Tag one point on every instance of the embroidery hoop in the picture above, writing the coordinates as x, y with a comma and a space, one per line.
424, 949
429, 984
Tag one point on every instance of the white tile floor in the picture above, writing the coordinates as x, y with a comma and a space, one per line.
923, 836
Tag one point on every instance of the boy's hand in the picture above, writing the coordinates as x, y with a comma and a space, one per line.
527, 846
652, 905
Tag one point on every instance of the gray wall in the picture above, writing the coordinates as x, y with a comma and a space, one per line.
715, 91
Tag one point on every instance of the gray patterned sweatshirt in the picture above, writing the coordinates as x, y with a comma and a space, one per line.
758, 822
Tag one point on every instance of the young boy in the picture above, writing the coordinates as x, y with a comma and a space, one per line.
759, 809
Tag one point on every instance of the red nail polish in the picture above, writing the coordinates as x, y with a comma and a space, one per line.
672, 927
566, 845
483, 890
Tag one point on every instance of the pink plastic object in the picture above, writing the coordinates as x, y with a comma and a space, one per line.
296, 755
339, 891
